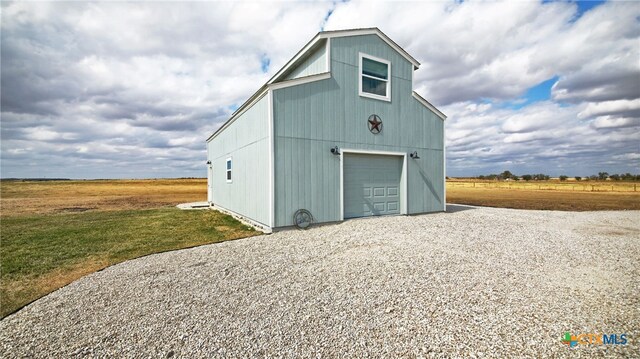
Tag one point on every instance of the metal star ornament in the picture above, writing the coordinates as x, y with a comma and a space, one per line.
375, 124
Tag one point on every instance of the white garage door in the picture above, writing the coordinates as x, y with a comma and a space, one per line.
371, 185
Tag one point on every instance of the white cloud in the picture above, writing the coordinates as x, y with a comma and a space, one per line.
616, 107
542, 137
628, 156
473, 52
116, 88
614, 122
498, 50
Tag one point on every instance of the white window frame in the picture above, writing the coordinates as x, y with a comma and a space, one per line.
228, 171
388, 80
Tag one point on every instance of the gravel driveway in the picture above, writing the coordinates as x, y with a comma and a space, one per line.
475, 282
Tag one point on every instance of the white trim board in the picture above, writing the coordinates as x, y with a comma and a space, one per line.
300, 81
328, 55
244, 219
428, 105
210, 182
272, 178
444, 169
403, 176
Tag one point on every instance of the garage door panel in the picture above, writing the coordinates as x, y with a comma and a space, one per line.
371, 185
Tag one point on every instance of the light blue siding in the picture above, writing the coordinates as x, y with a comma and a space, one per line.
312, 118
246, 142
315, 63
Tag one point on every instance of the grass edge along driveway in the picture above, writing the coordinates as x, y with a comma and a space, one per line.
41, 253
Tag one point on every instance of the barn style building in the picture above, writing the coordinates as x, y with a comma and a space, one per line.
338, 132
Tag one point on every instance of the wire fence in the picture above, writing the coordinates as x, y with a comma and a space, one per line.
547, 186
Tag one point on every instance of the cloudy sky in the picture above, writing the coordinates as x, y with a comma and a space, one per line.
131, 90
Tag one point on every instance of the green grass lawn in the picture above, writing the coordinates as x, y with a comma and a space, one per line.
41, 253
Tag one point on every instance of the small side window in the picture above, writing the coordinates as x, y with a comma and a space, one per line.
228, 170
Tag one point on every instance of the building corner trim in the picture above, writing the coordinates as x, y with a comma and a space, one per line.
272, 188
428, 105
444, 168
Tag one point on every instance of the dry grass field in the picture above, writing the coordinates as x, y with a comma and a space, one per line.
546, 195
48, 197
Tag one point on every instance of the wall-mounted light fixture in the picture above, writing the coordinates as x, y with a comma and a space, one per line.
208, 162
335, 150
414, 155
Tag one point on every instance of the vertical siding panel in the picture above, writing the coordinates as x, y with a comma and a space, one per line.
280, 176
308, 178
309, 109
314, 64
248, 147
313, 182
288, 170
288, 126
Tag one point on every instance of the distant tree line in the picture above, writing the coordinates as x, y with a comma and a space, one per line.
601, 176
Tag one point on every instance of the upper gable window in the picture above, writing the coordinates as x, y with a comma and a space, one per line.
375, 77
